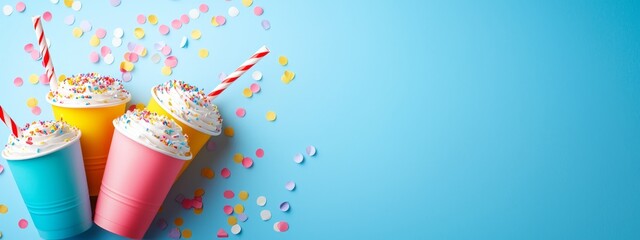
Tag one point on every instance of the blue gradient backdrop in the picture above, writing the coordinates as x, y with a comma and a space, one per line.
433, 119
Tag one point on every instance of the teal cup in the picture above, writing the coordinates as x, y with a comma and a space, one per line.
54, 188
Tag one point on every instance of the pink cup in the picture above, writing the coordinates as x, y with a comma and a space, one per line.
136, 181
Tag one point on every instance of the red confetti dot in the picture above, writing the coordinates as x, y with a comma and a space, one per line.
240, 112
228, 194
227, 209
247, 162
47, 16
226, 173
260, 153
23, 223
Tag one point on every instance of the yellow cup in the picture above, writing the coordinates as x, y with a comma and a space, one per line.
95, 122
197, 138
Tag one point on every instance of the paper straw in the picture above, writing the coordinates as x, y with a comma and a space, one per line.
44, 52
15, 130
263, 51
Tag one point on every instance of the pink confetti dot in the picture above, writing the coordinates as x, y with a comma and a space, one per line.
228, 194
18, 81
247, 162
104, 50
260, 153
101, 33
240, 112
36, 110
35, 55
28, 47
282, 226
203, 8
227, 209
211, 145
20, 7
166, 50
1, 168
226, 173
163, 29
221, 20
255, 88
184, 19
47, 16
176, 24
258, 11
43, 78
142, 19
171, 62
23, 223
94, 57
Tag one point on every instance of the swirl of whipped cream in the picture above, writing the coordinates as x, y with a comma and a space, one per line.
154, 131
87, 90
190, 105
40, 138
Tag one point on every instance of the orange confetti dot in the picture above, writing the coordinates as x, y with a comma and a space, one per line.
178, 222
229, 132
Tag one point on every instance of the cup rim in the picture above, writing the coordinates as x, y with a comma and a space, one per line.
99, 105
77, 138
200, 129
173, 155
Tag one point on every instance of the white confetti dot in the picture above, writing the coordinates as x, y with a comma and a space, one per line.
194, 13
155, 58
233, 11
69, 20
184, 42
116, 42
7, 10
256, 75
298, 158
290, 185
261, 201
77, 5
55, 1
311, 150
108, 59
118, 32
265, 215
235, 229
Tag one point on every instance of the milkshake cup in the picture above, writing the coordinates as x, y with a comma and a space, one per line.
147, 152
90, 102
46, 163
191, 109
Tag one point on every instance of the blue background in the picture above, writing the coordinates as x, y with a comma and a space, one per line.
433, 119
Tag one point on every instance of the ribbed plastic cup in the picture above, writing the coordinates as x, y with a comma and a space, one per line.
197, 136
54, 188
95, 123
136, 181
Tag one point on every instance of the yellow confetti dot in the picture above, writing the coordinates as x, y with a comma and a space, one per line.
94, 41
207, 172
199, 192
68, 3
247, 92
232, 220
144, 52
283, 60
203, 53
196, 34
153, 19
34, 79
178, 222
238, 157
32, 102
140, 106
166, 70
271, 116
243, 195
62, 77
77, 32
127, 66
197, 211
186, 233
228, 131
214, 22
138, 32
287, 76
4, 209
238, 208
247, 3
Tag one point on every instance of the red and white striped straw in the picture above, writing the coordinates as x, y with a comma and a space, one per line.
15, 130
44, 52
263, 51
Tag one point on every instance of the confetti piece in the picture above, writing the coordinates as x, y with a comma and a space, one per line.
162, 224
240, 112
265, 215
242, 217
211, 145
126, 66
69, 20
259, 152
43, 79
255, 88
239, 208
85, 26
227, 209
221, 20
207, 172
126, 76
68, 3
7, 10
35, 55
184, 19
166, 50
114, 3
108, 59
131, 57
203, 8
203, 53
283, 60
174, 233
171, 61
198, 211
238, 157
222, 234
18, 82
184, 42
20, 6
225, 173
247, 3
247, 162
101, 33
104, 50
23, 223
176, 24
258, 11
54, 1
47, 16
222, 76
284, 206
194, 13
298, 158
287, 76
141, 19
261, 201
166, 70
266, 24
138, 33
118, 32
228, 194
34, 79
3, 208
232, 220
116, 42
290, 185
186, 233
271, 116
213, 21
163, 29
155, 58
233, 11
94, 57
28, 47
235, 229
281, 226
228, 131
311, 150
199, 192
153, 19
196, 34
257, 75
243, 195
246, 92
94, 41
178, 221
76, 6
77, 32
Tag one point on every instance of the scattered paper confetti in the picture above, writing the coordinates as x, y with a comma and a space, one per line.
283, 60
20, 6
221, 20
101, 33
225, 173
178, 221
69, 20
240, 112
114, 3
243, 195
207, 172
311, 150
76, 6
77, 32
85, 26
290, 185
247, 3
228, 194
23, 223
247, 162
153, 19
7, 10
171, 61
228, 131
184, 19
257, 75
271, 116
281, 226
239, 208
68, 3
18, 81
222, 234
166, 70
203, 8
196, 34
232, 220
163, 29
287, 76
227, 209
174, 233
32, 102
194, 13
265, 215
259, 152
108, 59
116, 42
233, 11
242, 217
34, 79
258, 11
255, 88
284, 206
47, 16
235, 229
176, 24
199, 192
238, 157
266, 24
246, 92
94, 41
298, 158
261, 201
186, 233
138, 33
3, 208
203, 53
118, 32
141, 19
184, 42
